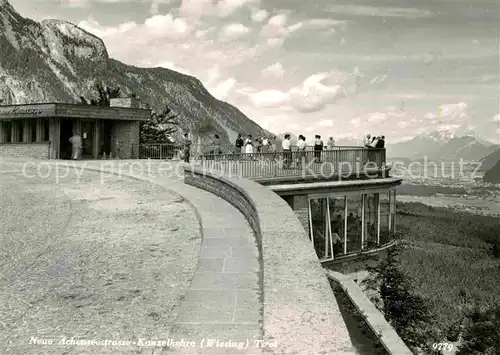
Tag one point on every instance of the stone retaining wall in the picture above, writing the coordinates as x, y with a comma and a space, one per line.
299, 309
375, 320
38, 150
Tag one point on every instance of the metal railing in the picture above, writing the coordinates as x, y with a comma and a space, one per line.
340, 160
175, 151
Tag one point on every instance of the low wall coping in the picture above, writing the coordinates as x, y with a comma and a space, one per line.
391, 341
300, 310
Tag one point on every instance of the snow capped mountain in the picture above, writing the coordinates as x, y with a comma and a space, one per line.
56, 61
450, 145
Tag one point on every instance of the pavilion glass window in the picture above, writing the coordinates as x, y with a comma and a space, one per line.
337, 224
319, 218
370, 229
354, 223
385, 217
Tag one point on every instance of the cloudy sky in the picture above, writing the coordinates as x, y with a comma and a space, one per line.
336, 67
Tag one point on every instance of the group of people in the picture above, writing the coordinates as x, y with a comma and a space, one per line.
262, 145
268, 145
374, 142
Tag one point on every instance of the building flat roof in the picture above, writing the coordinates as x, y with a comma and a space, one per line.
329, 186
64, 110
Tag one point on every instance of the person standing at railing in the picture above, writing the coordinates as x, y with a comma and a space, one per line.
331, 143
286, 145
301, 148
380, 142
367, 141
318, 147
187, 147
265, 145
272, 148
239, 145
249, 145
217, 147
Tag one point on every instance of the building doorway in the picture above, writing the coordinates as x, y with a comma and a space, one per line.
105, 137
66, 133
88, 139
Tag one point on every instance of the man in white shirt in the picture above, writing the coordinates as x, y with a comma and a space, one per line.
287, 152
76, 143
367, 141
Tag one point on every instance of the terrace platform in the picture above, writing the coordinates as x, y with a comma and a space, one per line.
244, 288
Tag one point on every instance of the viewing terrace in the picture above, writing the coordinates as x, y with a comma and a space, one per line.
339, 163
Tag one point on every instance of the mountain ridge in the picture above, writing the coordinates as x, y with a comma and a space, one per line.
57, 61
443, 145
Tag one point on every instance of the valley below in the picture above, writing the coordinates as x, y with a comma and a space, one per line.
448, 185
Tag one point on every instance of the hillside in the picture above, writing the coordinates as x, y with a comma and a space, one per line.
492, 176
56, 61
489, 161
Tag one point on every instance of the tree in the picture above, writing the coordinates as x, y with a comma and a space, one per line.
481, 335
104, 96
160, 126
408, 313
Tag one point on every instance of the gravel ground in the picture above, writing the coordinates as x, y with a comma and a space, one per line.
91, 261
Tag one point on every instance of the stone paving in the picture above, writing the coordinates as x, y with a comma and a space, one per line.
223, 305
222, 310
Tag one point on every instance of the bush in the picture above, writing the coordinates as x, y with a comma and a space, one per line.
482, 333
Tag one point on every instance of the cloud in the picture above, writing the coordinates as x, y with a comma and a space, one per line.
453, 111
314, 94
259, 15
275, 27
325, 123
269, 98
222, 90
74, 3
383, 11
273, 71
155, 5
233, 31
173, 66
226, 8
496, 118
196, 9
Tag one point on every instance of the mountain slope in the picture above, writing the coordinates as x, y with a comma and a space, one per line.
57, 61
418, 147
489, 161
493, 175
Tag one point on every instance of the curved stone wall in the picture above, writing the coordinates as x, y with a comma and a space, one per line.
300, 311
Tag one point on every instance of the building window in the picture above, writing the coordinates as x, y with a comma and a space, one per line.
46, 126
320, 227
370, 221
392, 210
33, 130
7, 131
354, 223
337, 224
385, 217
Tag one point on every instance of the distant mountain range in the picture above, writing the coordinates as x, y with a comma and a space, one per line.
443, 146
56, 61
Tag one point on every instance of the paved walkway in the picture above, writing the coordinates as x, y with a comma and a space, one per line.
222, 309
